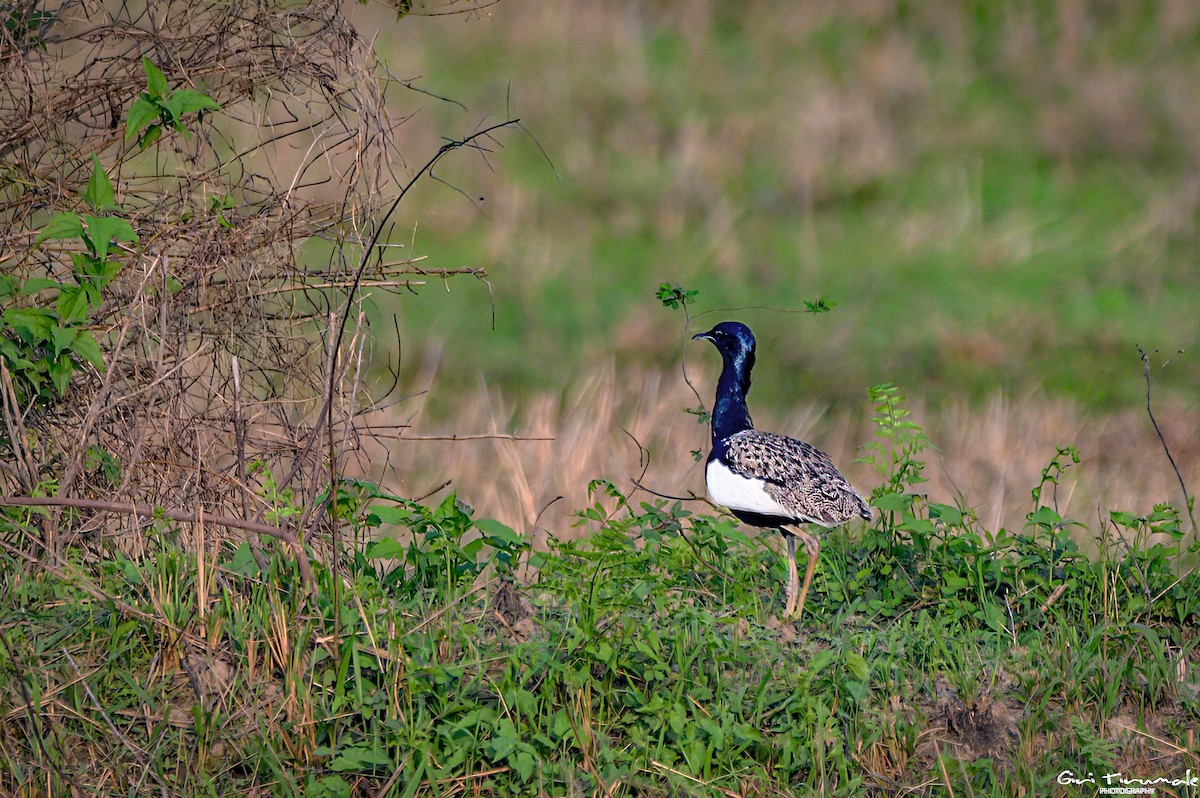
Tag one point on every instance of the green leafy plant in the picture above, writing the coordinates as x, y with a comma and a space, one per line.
898, 441
675, 296
159, 108
43, 344
281, 504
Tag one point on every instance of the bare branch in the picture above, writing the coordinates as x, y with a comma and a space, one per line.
1187, 500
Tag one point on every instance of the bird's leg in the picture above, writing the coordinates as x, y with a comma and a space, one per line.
813, 546
793, 578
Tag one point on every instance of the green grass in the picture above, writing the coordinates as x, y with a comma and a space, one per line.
997, 200
644, 658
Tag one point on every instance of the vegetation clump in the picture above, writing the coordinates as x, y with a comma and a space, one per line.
644, 657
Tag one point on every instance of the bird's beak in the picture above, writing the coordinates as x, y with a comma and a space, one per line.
703, 335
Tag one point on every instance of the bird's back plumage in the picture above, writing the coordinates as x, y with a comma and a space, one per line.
798, 476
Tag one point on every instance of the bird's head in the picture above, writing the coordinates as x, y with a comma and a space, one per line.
733, 340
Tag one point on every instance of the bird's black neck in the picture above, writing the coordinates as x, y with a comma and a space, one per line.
730, 414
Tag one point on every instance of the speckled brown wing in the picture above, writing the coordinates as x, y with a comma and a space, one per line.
797, 475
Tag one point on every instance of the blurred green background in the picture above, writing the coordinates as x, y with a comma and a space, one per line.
998, 196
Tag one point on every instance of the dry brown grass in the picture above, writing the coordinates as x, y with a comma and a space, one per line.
988, 456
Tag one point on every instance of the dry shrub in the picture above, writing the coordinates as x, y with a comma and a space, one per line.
251, 228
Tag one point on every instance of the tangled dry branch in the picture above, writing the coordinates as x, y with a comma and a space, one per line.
257, 226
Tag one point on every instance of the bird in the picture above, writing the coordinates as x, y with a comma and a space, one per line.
769, 480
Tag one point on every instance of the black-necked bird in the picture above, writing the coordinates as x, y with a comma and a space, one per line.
770, 480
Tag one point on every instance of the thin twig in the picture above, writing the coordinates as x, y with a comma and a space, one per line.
16, 429
429, 493
368, 251
1187, 501
334, 531
98, 404
239, 436
691, 497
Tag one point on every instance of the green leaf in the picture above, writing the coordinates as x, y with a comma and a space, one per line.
172, 113
62, 338
132, 575
60, 374
910, 523
950, 515
189, 101
65, 225
156, 81
821, 305
32, 325
13, 354
35, 284
1044, 516
821, 660
892, 501
86, 349
72, 304
952, 583
108, 270
502, 746
8, 286
152, 134
93, 298
500, 534
675, 296
857, 666
385, 548
83, 263
143, 112
243, 561
1120, 518
99, 191
330, 787
391, 515
524, 764
99, 457
359, 757
103, 229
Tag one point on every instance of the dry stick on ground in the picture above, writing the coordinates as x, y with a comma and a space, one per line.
1187, 502
146, 511
25, 470
98, 405
239, 436
334, 530
132, 747
32, 713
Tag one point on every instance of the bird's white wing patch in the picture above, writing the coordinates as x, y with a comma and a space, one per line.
740, 493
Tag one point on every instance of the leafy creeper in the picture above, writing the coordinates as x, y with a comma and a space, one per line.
42, 346
158, 107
